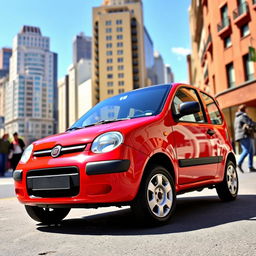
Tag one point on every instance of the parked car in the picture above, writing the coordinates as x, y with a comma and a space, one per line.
139, 148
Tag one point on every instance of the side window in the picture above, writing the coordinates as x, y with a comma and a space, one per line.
185, 95
213, 110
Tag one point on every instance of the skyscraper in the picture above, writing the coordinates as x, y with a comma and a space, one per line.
159, 69
118, 48
82, 48
5, 54
31, 91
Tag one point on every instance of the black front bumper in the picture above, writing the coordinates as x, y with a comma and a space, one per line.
106, 167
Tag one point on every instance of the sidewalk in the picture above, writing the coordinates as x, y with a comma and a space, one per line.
7, 179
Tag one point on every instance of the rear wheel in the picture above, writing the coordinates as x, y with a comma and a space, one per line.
156, 199
227, 190
47, 215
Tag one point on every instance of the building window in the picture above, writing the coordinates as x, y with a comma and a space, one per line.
120, 67
109, 60
230, 75
120, 52
120, 75
248, 68
119, 22
119, 44
121, 90
109, 68
109, 45
245, 30
120, 60
108, 30
119, 29
111, 91
109, 84
109, 53
108, 22
119, 37
121, 83
227, 42
109, 76
224, 15
108, 38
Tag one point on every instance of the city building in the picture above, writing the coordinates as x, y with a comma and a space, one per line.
31, 94
82, 48
75, 93
159, 68
3, 84
118, 48
169, 76
221, 33
5, 54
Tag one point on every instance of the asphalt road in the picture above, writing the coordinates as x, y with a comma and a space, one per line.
202, 225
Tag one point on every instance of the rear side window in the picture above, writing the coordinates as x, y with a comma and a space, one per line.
213, 110
184, 95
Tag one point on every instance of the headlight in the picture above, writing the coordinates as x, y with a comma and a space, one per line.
107, 142
26, 154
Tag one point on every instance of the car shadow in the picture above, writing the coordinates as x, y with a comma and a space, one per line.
192, 213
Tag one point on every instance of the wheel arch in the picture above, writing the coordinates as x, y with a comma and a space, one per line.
163, 160
231, 157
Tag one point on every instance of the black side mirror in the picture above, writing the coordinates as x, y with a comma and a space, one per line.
188, 108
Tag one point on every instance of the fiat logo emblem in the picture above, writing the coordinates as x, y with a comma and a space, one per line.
56, 151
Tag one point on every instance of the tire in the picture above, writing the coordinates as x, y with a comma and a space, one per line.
47, 215
156, 200
227, 190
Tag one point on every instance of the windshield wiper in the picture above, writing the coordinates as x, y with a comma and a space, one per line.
99, 122
111, 121
73, 128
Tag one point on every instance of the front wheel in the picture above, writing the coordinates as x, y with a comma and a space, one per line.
227, 190
156, 199
47, 215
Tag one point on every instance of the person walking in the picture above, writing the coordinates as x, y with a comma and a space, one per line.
4, 151
244, 134
17, 147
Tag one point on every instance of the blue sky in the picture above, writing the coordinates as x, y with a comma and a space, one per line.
166, 21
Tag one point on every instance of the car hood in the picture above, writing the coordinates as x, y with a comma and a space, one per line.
88, 134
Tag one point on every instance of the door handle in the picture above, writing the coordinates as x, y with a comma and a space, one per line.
210, 132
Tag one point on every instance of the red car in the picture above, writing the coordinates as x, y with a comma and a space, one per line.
139, 148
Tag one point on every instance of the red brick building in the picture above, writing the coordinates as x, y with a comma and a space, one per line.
221, 33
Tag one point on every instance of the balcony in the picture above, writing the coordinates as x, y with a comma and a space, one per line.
206, 76
224, 28
241, 15
207, 47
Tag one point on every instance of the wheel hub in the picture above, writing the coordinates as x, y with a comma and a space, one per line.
159, 195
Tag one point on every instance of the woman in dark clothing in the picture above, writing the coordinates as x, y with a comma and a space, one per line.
244, 132
17, 148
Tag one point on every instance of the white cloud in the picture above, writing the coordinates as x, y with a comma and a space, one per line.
181, 51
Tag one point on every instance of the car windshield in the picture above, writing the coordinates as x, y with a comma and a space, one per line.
139, 103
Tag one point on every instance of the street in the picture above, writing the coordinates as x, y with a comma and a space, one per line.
202, 225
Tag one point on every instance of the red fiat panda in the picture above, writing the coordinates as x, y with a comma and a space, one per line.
139, 148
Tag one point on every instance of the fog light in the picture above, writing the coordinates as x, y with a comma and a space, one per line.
17, 175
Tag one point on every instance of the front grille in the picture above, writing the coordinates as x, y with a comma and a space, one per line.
53, 182
64, 150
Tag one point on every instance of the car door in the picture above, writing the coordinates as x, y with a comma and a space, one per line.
197, 159
218, 139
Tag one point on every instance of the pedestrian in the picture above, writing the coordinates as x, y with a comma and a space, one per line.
4, 151
244, 134
17, 147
